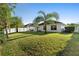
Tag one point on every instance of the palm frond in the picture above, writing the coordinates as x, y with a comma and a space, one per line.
42, 13
56, 15
53, 15
38, 19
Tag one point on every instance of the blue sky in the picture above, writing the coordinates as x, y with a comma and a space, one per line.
68, 13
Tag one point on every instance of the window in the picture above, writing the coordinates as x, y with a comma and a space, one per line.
53, 27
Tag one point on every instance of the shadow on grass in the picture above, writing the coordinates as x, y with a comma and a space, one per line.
18, 37
25, 33
61, 53
33, 33
65, 33
42, 33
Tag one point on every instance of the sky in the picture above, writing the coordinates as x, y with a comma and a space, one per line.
68, 12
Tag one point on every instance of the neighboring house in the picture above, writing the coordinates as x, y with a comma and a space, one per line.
54, 27
30, 27
76, 28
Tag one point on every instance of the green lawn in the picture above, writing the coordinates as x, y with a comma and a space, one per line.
31, 43
72, 49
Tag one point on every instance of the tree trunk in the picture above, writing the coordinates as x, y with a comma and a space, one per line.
45, 27
16, 29
6, 32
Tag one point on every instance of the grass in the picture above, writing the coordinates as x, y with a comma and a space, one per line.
33, 43
72, 49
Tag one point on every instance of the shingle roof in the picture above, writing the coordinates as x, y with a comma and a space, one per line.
42, 22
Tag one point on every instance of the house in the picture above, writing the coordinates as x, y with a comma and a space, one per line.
29, 27
51, 27
76, 28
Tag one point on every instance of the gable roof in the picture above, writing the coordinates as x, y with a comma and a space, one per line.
30, 24
42, 23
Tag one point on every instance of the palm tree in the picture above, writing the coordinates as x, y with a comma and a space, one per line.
45, 17
36, 21
16, 22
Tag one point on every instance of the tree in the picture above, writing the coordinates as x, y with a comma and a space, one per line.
5, 14
71, 25
16, 22
36, 21
46, 17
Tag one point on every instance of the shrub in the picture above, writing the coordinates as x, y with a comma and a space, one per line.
69, 29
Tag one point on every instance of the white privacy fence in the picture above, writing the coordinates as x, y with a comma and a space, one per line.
12, 30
